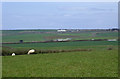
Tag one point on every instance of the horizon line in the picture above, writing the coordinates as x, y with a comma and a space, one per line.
65, 28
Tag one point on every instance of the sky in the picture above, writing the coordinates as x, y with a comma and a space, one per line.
59, 15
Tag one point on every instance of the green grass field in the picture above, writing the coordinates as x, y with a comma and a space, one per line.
62, 45
99, 62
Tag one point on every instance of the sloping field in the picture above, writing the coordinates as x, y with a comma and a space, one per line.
97, 63
101, 61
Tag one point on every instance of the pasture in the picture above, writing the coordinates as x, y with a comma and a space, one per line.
101, 61
97, 63
57, 46
45, 35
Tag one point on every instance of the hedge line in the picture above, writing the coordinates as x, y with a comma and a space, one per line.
9, 51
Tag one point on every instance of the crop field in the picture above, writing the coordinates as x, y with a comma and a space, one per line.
74, 59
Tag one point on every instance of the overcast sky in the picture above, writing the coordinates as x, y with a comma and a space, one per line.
59, 15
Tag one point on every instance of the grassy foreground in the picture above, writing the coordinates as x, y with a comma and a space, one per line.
96, 63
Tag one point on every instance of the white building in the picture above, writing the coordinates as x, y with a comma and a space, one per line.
61, 30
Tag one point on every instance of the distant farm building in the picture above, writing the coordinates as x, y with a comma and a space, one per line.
61, 30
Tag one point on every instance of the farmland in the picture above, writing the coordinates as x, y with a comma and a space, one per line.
44, 35
100, 61
97, 63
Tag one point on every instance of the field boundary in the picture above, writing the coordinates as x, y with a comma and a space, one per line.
53, 41
8, 52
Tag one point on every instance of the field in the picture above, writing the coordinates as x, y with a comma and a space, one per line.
100, 61
44, 35
97, 63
